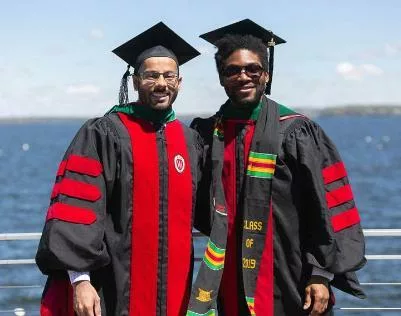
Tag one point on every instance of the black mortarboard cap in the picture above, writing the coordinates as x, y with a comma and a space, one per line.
157, 41
244, 27
152, 42
248, 27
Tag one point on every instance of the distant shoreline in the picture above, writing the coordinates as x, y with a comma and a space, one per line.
360, 110
22, 120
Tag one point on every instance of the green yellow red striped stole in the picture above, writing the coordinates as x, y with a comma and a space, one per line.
214, 256
261, 165
218, 129
251, 304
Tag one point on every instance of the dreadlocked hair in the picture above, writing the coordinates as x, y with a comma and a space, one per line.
230, 43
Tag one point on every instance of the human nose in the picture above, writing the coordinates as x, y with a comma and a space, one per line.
161, 82
243, 75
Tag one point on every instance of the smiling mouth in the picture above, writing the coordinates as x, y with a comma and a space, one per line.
245, 88
159, 94
159, 97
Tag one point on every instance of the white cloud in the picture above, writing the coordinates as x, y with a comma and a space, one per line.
84, 89
96, 34
345, 68
372, 69
348, 71
357, 72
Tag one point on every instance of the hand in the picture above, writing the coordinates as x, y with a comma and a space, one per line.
319, 295
86, 300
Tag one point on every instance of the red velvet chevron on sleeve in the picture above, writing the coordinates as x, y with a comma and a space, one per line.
77, 189
74, 186
84, 165
345, 219
338, 196
72, 214
334, 172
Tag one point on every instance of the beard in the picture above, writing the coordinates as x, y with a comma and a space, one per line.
158, 100
245, 100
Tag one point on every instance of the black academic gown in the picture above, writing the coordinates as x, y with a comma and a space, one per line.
125, 215
314, 220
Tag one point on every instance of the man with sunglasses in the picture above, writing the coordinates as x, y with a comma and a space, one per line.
283, 224
120, 217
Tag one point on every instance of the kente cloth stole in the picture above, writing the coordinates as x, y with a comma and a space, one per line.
256, 209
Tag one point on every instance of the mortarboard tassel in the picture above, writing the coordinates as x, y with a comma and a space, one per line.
123, 94
271, 45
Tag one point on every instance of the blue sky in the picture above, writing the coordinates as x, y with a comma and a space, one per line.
56, 60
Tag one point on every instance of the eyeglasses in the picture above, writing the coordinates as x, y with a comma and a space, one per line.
153, 76
251, 70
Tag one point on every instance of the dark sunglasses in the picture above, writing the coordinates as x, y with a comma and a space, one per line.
251, 70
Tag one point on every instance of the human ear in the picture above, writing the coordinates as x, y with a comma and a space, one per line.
135, 81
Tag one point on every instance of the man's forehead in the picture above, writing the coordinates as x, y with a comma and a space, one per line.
243, 56
159, 63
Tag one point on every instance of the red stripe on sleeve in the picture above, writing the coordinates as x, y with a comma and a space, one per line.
334, 172
72, 214
84, 165
78, 189
345, 219
55, 190
339, 196
179, 220
61, 168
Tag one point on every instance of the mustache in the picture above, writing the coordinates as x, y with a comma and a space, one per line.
161, 90
246, 86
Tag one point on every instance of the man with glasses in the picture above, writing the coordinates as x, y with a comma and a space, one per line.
120, 217
283, 223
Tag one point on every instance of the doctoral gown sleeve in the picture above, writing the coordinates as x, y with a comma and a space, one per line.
203, 218
199, 150
334, 239
73, 235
